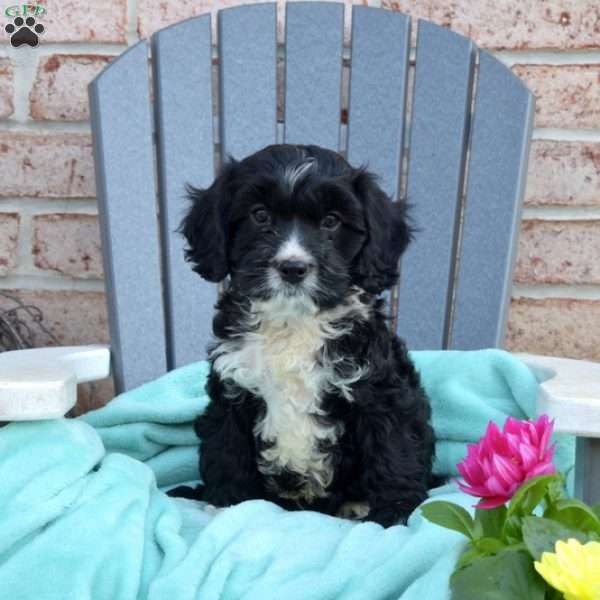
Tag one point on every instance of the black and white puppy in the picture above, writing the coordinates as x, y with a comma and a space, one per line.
315, 404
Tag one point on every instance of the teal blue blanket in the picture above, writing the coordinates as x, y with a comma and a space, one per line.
82, 515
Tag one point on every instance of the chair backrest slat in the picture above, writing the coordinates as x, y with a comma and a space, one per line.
185, 152
378, 81
313, 73
248, 91
497, 171
122, 127
466, 162
438, 141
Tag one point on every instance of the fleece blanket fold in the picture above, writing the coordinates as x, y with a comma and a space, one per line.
83, 514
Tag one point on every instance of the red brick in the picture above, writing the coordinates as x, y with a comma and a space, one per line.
72, 21
565, 252
6, 87
68, 243
60, 88
9, 241
562, 327
52, 165
566, 95
153, 15
563, 174
513, 24
72, 317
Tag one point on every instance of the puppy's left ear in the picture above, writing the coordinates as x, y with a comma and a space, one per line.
388, 235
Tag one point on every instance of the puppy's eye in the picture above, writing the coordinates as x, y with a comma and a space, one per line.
261, 216
331, 222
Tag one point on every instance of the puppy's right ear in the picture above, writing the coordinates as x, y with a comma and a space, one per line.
205, 227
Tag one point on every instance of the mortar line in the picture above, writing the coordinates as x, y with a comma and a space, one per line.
22, 123
554, 57
37, 206
44, 282
556, 291
132, 20
561, 213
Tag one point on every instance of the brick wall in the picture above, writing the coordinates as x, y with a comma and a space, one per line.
49, 241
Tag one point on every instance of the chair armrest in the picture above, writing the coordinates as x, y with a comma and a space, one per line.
569, 393
42, 383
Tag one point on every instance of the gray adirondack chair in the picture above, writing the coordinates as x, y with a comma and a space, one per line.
459, 139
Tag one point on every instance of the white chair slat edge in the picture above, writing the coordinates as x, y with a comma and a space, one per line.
569, 393
41, 383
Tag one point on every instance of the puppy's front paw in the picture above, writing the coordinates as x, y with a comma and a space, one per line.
226, 496
184, 491
387, 515
353, 510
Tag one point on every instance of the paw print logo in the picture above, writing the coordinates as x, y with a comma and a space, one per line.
24, 31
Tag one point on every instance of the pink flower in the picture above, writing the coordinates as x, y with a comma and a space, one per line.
501, 461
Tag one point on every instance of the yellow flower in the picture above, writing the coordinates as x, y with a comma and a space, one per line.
573, 569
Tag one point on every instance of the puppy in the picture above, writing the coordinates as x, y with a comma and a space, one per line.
315, 404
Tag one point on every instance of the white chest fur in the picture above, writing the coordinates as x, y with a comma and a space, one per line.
283, 361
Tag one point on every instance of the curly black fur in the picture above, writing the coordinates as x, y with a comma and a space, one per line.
383, 448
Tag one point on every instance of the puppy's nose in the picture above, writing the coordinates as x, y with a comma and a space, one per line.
293, 271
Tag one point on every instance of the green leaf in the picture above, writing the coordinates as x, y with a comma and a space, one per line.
450, 516
556, 489
540, 535
467, 557
530, 494
491, 521
552, 594
596, 509
575, 514
489, 545
509, 574
512, 530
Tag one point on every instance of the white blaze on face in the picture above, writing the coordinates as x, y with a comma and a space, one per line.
292, 249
